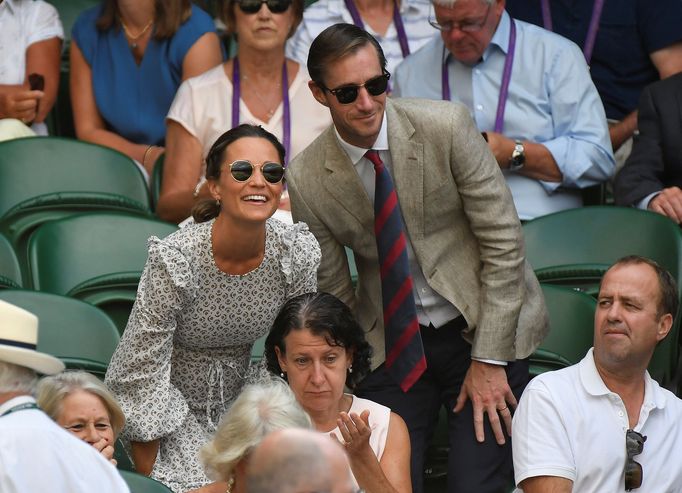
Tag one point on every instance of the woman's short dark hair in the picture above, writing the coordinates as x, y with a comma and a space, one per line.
336, 42
228, 17
324, 315
168, 16
208, 209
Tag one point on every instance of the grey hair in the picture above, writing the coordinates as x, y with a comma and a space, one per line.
54, 389
258, 410
451, 3
15, 378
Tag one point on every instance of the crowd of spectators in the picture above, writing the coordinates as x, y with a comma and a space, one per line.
417, 135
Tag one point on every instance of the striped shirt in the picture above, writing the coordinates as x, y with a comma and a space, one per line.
324, 13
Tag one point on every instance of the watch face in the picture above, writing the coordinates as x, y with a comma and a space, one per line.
518, 158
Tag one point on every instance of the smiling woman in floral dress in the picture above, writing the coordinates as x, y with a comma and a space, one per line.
207, 293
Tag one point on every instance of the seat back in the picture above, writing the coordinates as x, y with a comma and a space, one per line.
79, 334
97, 257
10, 273
142, 484
45, 178
575, 248
571, 329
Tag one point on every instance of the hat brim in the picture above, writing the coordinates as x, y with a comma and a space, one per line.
40, 362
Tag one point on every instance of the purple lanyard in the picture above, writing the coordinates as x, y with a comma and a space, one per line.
397, 22
506, 78
591, 31
286, 124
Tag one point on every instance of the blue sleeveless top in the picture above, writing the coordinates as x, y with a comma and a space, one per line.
134, 99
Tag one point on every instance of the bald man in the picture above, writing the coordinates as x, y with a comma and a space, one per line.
295, 460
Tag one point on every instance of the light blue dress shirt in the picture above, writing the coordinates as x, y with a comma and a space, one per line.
552, 101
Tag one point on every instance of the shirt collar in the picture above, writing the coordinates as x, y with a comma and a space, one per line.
356, 153
10, 5
501, 36
337, 7
594, 385
16, 401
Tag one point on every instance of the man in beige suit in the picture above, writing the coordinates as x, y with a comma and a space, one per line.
479, 305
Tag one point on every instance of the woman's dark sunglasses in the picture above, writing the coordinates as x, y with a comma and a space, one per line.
253, 6
634, 444
242, 170
348, 94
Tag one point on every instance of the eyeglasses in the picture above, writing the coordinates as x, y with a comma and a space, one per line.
634, 444
466, 26
242, 170
348, 94
253, 6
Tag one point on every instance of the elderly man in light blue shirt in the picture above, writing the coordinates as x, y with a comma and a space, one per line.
529, 92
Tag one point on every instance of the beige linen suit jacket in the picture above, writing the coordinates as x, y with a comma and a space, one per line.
458, 214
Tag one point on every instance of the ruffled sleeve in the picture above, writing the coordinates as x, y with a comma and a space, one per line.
300, 259
139, 372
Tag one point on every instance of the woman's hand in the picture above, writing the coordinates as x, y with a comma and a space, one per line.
106, 449
355, 432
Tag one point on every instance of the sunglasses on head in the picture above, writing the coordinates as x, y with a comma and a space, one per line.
253, 6
634, 444
348, 94
241, 170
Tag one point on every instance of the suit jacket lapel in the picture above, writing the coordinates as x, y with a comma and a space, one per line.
344, 184
407, 155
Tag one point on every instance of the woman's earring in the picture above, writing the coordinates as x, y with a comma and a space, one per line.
217, 202
283, 375
350, 369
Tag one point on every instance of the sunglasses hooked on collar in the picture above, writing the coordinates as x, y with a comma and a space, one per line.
634, 445
253, 6
349, 93
241, 170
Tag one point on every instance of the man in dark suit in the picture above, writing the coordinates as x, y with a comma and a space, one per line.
652, 175
479, 308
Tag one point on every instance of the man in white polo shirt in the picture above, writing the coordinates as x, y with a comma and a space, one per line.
604, 424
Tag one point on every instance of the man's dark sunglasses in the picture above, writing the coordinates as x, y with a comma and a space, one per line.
348, 94
634, 444
241, 170
253, 6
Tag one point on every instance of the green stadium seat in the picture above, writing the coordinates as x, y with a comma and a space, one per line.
575, 247
10, 273
79, 334
96, 257
142, 484
46, 178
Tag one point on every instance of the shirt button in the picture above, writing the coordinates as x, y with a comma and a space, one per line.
479, 107
423, 290
620, 413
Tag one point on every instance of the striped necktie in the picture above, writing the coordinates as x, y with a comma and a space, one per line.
405, 359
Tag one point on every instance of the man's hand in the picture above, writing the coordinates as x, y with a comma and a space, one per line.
486, 385
21, 104
501, 147
668, 203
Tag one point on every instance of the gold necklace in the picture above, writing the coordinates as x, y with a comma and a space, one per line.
132, 38
268, 108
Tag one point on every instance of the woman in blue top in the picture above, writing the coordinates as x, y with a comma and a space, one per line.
128, 57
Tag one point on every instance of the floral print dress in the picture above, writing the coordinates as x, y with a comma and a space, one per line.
185, 353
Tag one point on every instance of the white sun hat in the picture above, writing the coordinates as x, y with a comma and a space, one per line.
19, 338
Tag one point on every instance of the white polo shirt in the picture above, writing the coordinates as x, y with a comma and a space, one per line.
569, 424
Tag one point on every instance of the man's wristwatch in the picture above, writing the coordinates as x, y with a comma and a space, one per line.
518, 157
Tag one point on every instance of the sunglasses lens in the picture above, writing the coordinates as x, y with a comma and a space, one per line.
377, 86
273, 172
278, 6
346, 95
249, 6
241, 170
633, 475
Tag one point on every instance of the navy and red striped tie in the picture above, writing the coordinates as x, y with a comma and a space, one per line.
405, 359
